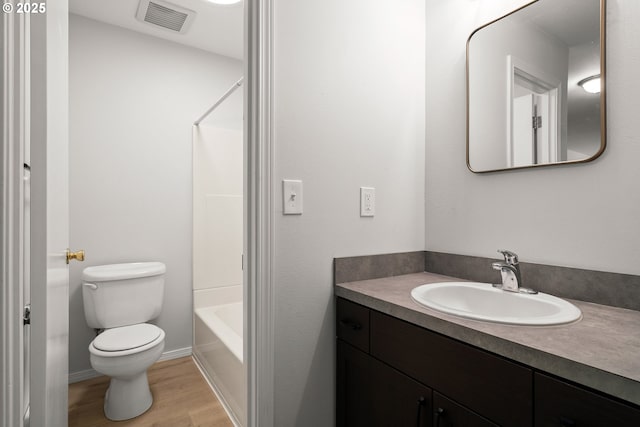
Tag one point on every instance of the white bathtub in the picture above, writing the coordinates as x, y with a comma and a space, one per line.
218, 350
226, 322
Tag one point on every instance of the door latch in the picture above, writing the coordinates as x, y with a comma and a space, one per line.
79, 255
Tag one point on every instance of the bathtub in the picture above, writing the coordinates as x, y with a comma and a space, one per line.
218, 350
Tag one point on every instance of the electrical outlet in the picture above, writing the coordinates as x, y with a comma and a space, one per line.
367, 201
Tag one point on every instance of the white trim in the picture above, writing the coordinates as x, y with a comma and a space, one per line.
87, 374
259, 193
13, 112
176, 354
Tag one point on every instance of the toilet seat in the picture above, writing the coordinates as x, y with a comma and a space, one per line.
126, 337
126, 340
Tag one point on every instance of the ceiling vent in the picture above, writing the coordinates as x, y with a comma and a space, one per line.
166, 15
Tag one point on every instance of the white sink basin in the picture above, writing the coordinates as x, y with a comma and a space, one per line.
481, 301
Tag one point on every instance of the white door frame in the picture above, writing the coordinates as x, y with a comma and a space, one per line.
259, 207
258, 244
34, 113
13, 109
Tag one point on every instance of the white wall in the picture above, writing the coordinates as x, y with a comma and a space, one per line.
133, 100
582, 216
349, 112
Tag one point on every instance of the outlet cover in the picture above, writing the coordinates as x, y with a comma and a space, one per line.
367, 201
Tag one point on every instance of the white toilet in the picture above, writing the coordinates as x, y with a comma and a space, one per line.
119, 298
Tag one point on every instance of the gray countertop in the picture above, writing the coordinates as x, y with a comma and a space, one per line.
601, 351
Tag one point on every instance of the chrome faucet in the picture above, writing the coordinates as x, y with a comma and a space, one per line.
510, 272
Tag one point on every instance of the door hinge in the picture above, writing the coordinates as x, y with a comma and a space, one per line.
536, 122
26, 315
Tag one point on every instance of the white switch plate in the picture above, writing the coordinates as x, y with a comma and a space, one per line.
292, 196
367, 201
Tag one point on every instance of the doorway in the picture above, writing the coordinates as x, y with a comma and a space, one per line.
534, 108
259, 189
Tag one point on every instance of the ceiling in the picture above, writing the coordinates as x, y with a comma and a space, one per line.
572, 21
215, 28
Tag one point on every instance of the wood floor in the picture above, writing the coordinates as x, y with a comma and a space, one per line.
181, 398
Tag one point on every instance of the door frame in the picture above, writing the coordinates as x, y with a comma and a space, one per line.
259, 190
34, 114
259, 225
12, 54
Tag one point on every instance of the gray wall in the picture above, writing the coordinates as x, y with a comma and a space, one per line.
133, 100
349, 112
583, 216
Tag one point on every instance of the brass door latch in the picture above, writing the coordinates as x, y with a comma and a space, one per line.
78, 255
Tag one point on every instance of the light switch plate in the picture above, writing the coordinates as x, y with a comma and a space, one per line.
367, 201
292, 196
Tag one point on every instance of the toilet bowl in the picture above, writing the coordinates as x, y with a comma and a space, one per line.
118, 300
125, 354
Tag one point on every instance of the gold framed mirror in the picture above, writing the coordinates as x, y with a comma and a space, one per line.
536, 87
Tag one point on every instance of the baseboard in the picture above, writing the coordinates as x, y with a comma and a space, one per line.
76, 377
175, 354
87, 374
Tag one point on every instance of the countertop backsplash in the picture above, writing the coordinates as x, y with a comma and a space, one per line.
612, 289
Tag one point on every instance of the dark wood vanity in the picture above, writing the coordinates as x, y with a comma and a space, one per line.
393, 373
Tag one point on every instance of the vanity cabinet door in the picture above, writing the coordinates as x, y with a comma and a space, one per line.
353, 387
447, 413
352, 323
495, 388
372, 394
559, 404
398, 400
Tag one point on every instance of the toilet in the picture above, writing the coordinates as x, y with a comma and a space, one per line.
119, 299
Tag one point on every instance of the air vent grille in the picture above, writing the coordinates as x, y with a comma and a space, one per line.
164, 14
165, 17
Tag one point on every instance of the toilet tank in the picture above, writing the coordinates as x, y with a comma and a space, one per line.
122, 294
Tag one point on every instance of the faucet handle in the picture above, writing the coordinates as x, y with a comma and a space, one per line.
509, 257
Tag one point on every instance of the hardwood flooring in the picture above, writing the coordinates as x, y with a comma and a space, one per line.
181, 398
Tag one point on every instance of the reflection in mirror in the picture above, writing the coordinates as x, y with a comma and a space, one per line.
533, 86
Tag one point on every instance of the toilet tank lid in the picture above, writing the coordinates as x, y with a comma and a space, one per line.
132, 270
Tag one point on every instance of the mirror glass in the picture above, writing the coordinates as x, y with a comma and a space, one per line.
530, 100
